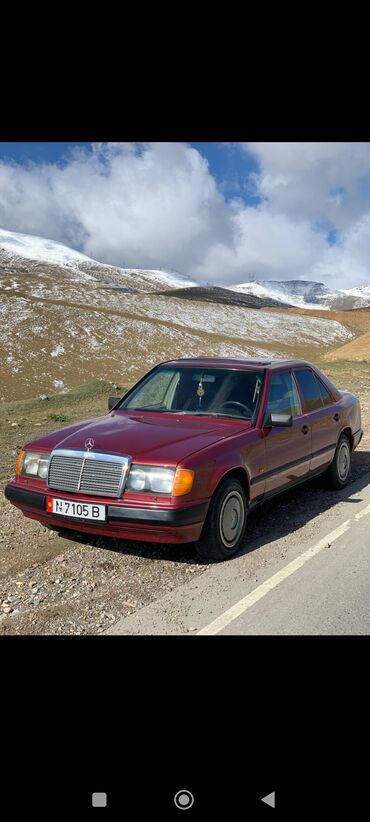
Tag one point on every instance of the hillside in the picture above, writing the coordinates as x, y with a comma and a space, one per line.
226, 296
59, 332
25, 253
68, 319
307, 294
356, 350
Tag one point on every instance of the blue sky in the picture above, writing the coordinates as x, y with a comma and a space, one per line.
229, 165
36, 152
268, 210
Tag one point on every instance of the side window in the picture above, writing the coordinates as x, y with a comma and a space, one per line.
310, 388
283, 397
326, 397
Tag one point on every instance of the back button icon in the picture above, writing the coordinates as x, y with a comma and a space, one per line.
269, 799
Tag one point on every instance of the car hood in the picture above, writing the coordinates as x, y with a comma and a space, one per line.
145, 437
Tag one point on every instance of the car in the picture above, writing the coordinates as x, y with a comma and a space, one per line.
189, 451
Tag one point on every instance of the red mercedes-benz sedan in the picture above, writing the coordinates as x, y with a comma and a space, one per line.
189, 450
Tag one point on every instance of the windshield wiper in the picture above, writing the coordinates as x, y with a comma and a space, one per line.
215, 414
163, 410
145, 408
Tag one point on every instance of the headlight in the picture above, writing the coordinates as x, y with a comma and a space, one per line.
149, 479
32, 464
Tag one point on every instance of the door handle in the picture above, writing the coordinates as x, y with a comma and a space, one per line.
336, 417
305, 429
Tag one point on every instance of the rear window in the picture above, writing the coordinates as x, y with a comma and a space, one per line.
326, 397
325, 380
310, 389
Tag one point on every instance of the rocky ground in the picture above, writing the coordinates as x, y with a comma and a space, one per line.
78, 585
50, 584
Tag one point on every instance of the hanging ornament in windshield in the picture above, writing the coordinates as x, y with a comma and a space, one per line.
200, 392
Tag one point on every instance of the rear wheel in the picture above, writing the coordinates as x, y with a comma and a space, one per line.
339, 470
224, 527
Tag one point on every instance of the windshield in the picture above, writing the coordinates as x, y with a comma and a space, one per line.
216, 392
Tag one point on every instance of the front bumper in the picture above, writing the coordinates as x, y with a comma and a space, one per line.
123, 521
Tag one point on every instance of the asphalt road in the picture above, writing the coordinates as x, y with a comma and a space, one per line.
313, 579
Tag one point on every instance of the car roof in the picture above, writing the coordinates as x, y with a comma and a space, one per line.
229, 362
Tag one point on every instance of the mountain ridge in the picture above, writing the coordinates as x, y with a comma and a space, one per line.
21, 253
310, 294
25, 253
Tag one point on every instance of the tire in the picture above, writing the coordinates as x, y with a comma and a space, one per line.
225, 523
339, 470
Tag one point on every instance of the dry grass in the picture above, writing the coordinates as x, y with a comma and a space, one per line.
358, 320
358, 349
24, 420
64, 332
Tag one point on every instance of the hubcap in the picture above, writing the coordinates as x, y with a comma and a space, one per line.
232, 518
343, 461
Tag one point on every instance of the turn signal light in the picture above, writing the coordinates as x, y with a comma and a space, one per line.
183, 482
19, 464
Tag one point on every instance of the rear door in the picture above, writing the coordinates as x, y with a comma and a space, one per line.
321, 414
288, 449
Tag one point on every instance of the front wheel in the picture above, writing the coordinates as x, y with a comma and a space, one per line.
338, 472
225, 524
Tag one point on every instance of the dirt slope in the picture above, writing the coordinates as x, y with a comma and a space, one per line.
57, 333
358, 349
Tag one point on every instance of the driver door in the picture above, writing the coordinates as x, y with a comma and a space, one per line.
288, 449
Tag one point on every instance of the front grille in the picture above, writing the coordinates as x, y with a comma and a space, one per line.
100, 474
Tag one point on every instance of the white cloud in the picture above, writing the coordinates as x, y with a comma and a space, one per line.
313, 181
157, 204
267, 245
143, 206
348, 263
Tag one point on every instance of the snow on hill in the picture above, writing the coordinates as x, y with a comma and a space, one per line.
66, 319
307, 294
57, 332
39, 248
361, 291
300, 293
27, 254
20, 252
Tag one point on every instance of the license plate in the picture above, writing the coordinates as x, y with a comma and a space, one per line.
80, 510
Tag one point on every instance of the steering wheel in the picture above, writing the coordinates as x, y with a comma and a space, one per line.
240, 405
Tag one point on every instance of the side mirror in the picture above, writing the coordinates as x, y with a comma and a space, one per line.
277, 420
112, 401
